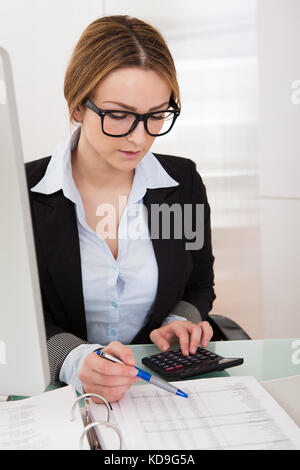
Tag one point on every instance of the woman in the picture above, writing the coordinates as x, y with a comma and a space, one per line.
109, 274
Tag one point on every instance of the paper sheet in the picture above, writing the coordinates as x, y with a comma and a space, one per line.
221, 413
41, 422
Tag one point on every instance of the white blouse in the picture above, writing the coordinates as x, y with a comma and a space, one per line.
118, 293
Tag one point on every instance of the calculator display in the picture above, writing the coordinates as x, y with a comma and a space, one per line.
175, 366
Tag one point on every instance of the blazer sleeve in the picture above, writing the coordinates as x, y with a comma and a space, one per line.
59, 342
199, 289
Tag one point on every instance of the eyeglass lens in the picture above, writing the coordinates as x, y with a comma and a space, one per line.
116, 123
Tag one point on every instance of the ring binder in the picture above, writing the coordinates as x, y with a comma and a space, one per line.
98, 423
90, 425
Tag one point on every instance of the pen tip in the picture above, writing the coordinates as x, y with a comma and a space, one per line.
181, 394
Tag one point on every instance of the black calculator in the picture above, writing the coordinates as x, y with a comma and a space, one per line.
173, 365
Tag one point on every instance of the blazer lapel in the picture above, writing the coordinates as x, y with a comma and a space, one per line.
57, 234
170, 256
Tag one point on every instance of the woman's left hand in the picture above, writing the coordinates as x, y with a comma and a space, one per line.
189, 334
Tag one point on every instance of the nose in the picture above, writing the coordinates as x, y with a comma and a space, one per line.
138, 135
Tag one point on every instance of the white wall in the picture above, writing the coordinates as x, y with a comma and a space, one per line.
214, 47
40, 35
279, 68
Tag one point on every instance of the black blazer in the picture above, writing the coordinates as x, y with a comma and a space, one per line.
183, 275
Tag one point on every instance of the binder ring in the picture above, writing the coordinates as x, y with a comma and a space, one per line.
87, 395
97, 423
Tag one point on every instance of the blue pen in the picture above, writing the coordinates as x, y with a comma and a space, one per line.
146, 376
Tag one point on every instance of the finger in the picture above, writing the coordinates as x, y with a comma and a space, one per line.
207, 333
184, 339
103, 366
183, 331
106, 380
158, 338
122, 352
195, 338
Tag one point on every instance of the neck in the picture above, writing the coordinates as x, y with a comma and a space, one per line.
90, 170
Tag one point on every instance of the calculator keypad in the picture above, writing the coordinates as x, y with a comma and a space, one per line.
175, 364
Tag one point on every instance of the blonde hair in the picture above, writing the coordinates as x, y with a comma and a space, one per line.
112, 42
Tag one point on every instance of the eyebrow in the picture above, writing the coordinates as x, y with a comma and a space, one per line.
132, 108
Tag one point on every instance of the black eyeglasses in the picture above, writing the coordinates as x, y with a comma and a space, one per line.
116, 123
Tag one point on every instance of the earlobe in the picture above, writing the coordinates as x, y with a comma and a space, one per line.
77, 114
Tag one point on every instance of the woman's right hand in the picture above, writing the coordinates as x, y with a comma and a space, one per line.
107, 378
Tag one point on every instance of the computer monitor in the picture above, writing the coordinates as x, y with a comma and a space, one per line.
24, 366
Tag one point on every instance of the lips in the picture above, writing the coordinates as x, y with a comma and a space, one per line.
130, 154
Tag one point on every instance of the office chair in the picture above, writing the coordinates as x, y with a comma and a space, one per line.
226, 329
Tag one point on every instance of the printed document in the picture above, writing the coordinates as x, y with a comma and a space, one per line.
220, 413
41, 422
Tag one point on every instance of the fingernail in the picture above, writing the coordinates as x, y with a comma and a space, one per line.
133, 372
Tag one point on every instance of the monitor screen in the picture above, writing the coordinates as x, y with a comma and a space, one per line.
24, 366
